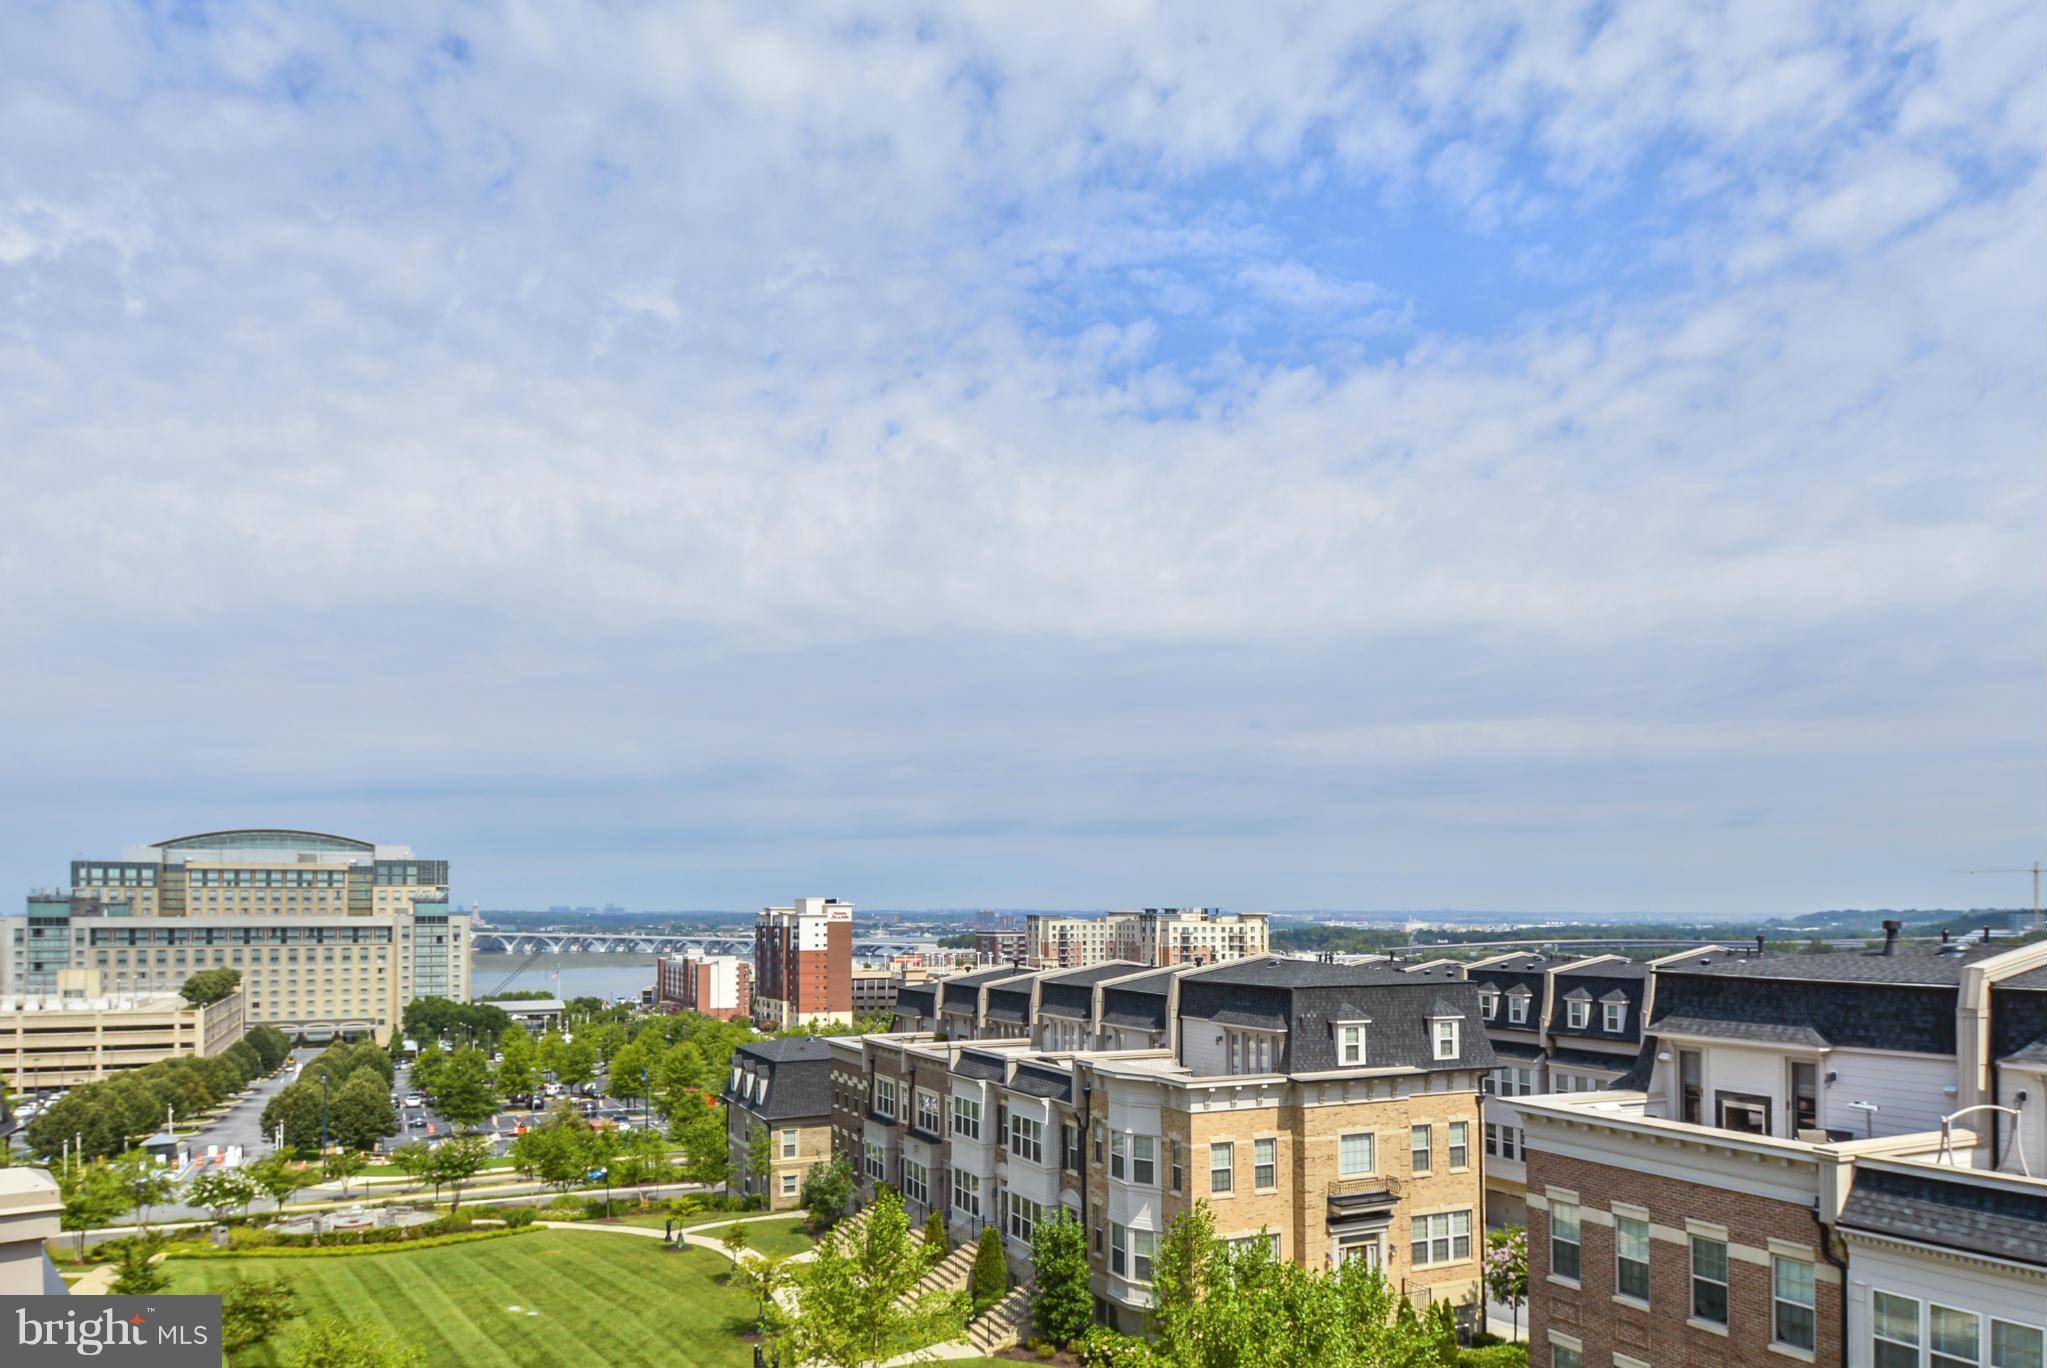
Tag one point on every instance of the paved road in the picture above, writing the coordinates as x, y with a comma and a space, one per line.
243, 1125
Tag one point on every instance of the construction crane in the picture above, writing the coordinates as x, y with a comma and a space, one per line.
2032, 869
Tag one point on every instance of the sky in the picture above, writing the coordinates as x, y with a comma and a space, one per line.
1553, 456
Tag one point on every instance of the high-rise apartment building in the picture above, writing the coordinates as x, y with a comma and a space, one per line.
803, 963
710, 985
1156, 935
332, 935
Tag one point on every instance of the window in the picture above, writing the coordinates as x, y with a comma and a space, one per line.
1354, 1154
1350, 1045
1119, 1152
1446, 1039
1176, 1155
1024, 1215
1563, 1240
1119, 1250
1100, 1130
1580, 1014
1563, 1356
1441, 1237
788, 1144
2014, 1346
1517, 1007
928, 1112
1265, 1164
1792, 1297
788, 1185
1709, 1280
1688, 1080
1074, 1149
1631, 1257
1222, 1168
885, 1097
1460, 1144
877, 1161
1144, 1160
1894, 1331
1614, 1016
1805, 1096
1143, 1244
966, 1118
916, 1181
1418, 1148
1489, 1003
1957, 1337
966, 1193
1027, 1138
1745, 1113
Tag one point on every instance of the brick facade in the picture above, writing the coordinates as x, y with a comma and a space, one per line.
1664, 1334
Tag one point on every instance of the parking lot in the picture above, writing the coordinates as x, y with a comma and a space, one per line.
419, 1121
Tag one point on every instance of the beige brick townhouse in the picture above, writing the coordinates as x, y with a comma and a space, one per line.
1331, 1110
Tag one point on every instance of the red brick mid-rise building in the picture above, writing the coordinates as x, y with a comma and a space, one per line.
803, 963
712, 985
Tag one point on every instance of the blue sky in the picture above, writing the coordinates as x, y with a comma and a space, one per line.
1345, 456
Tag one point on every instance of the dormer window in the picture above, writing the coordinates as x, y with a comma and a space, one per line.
1580, 1015
1350, 1044
1489, 1003
1446, 1038
1517, 1007
1615, 1016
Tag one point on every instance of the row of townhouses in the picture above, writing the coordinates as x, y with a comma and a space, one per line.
1720, 1155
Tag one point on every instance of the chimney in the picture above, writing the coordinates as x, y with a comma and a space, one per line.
1943, 935
1986, 933
1891, 930
1759, 945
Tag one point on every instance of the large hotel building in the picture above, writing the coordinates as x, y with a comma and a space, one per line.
332, 935
803, 964
1155, 936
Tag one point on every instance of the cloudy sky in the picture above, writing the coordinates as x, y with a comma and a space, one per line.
1030, 455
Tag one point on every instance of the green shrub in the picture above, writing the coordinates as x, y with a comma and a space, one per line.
1494, 1356
207, 1251
990, 1283
518, 1217
1102, 1347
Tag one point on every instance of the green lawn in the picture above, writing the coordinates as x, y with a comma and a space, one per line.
582, 1297
766, 1237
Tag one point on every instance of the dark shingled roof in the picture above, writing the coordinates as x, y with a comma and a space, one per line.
918, 999
1994, 1219
1640, 1073
1874, 1015
2018, 1017
1010, 1004
1140, 1002
1721, 1028
799, 1076
961, 992
1043, 1082
2035, 1053
1589, 1059
1070, 992
1089, 976
1307, 999
971, 1065
1517, 1049
1609, 981
1910, 965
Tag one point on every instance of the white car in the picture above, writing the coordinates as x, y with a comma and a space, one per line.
414, 1100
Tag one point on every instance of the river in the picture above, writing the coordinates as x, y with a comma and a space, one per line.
568, 976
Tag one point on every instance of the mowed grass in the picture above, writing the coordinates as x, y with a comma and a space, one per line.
583, 1297
765, 1237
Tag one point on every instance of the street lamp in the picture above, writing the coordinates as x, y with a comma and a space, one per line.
323, 1111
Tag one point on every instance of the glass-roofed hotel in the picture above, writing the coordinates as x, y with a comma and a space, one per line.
333, 935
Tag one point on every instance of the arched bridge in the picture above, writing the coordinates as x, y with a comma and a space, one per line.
490, 942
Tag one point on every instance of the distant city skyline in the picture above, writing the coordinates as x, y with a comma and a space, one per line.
1397, 456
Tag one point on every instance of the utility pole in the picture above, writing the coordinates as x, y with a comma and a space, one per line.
323, 1111
2032, 869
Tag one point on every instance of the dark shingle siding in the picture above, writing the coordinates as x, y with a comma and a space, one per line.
799, 1078
1010, 1004
1590, 1059
1066, 1000
1854, 1015
2018, 1018
1981, 1219
970, 1065
1036, 1082
1600, 986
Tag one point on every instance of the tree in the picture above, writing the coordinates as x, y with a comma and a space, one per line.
454, 1162
935, 1233
270, 1045
252, 1309
1062, 1306
410, 1159
557, 1151
990, 1281
334, 1342
1506, 1268
828, 1191
279, 1178
516, 1069
222, 1191
578, 1062
342, 1165
761, 1278
361, 1114
700, 1129
735, 1239
464, 1093
147, 1182
94, 1196
427, 1066
137, 1272
210, 986
758, 1161
642, 1158
857, 1298
297, 1109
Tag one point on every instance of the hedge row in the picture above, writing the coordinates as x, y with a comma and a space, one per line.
327, 1251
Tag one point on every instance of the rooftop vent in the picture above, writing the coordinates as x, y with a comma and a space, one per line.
1891, 930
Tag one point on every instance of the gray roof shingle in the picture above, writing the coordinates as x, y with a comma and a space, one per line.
1723, 1028
1993, 1219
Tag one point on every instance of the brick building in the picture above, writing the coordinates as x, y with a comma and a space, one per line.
711, 985
803, 964
779, 1092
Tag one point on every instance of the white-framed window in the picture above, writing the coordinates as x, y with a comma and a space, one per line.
885, 1097
1631, 1257
1517, 1007
966, 1118
2013, 1345
1119, 1155
1614, 1016
1564, 1250
788, 1185
1446, 1036
1265, 1164
1460, 1144
1419, 1143
1954, 1337
966, 1193
1502, 1142
1144, 1160
1176, 1165
916, 1181
1441, 1237
929, 1112
1350, 1044
1024, 1215
1489, 1002
877, 1161
788, 1144
1027, 1138
1791, 1302
1354, 1156
1579, 1014
1265, 1239
1709, 1280
1222, 1168
1143, 1244
1252, 1052
1564, 1356
1119, 1250
1894, 1331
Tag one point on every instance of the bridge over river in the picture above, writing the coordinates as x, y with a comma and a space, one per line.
492, 942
